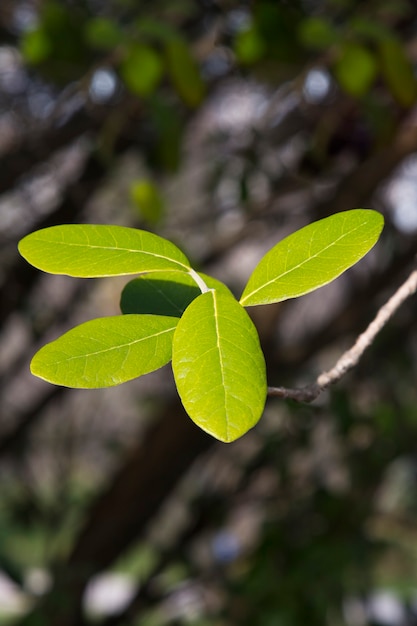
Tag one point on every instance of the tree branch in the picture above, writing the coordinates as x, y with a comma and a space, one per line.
351, 357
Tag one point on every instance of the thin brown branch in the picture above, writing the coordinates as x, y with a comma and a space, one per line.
351, 357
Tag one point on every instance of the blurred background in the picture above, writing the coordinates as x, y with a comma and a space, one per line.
222, 125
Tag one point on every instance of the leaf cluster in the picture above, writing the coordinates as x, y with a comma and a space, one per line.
172, 312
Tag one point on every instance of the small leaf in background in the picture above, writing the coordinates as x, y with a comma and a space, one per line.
142, 69
184, 72
35, 46
57, 44
356, 69
398, 72
380, 119
152, 28
219, 366
317, 33
93, 251
147, 199
167, 128
368, 28
313, 256
102, 33
106, 351
60, 26
249, 46
277, 24
165, 293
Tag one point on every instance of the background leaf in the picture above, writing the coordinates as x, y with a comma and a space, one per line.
59, 40
165, 293
92, 251
249, 46
219, 366
184, 72
107, 351
317, 33
103, 33
142, 69
35, 46
398, 71
356, 69
147, 199
167, 128
313, 256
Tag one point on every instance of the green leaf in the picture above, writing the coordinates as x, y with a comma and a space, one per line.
142, 69
184, 72
57, 38
398, 72
35, 46
313, 256
167, 130
368, 28
165, 293
102, 33
317, 33
107, 351
356, 69
152, 28
219, 366
146, 197
249, 46
93, 251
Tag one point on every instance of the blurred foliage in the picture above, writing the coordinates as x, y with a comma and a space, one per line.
147, 200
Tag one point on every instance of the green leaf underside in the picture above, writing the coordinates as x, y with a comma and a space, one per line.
219, 367
313, 256
94, 251
165, 293
106, 351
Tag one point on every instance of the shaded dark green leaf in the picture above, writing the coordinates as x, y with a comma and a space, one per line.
167, 293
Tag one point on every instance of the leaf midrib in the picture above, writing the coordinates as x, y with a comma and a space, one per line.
216, 316
118, 248
118, 347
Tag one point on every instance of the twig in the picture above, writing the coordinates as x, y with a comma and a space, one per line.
351, 357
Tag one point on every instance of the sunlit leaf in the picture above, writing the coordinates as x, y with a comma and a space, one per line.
142, 69
313, 256
219, 366
107, 351
91, 251
164, 293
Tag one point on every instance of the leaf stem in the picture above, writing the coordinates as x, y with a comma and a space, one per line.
197, 278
